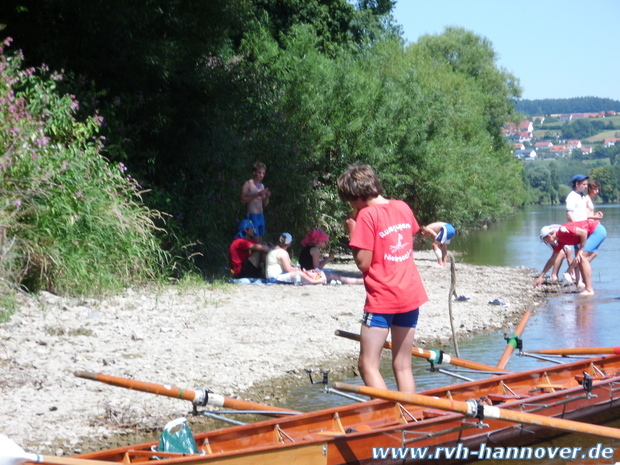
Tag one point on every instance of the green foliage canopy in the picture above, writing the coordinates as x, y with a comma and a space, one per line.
193, 96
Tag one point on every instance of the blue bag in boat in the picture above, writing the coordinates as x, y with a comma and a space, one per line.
177, 437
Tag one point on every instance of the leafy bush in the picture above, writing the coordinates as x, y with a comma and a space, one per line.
70, 222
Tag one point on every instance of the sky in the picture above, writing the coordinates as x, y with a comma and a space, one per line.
556, 48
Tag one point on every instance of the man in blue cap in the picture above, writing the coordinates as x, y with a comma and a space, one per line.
576, 210
246, 253
576, 202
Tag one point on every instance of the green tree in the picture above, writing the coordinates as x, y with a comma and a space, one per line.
609, 177
473, 56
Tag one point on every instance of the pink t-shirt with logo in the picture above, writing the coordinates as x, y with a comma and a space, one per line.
393, 283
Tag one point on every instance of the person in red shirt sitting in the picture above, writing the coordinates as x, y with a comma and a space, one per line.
245, 253
588, 235
381, 232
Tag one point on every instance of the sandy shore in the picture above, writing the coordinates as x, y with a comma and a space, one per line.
227, 338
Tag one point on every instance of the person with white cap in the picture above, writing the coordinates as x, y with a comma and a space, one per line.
588, 234
278, 267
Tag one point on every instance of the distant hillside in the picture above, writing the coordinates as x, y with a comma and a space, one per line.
567, 105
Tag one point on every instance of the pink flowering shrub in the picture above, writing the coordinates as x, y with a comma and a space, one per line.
70, 222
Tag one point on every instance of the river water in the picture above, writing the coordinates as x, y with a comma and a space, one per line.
569, 320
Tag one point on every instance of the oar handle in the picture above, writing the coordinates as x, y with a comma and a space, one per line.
62, 460
580, 351
159, 389
512, 345
198, 396
432, 355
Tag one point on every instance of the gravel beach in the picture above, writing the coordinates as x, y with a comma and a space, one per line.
228, 338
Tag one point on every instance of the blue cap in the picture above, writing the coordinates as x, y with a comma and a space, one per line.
243, 225
579, 178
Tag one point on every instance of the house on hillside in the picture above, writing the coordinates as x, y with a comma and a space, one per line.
610, 142
510, 128
526, 154
586, 149
559, 150
543, 145
507, 132
573, 145
518, 146
523, 137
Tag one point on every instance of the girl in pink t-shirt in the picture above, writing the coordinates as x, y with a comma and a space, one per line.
381, 233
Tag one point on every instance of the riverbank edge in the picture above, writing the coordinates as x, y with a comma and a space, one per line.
33, 343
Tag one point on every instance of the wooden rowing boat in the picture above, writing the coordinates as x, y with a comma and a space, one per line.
581, 390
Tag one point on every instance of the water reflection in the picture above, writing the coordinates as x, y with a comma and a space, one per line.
573, 323
569, 320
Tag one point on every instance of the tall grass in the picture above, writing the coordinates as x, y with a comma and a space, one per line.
70, 222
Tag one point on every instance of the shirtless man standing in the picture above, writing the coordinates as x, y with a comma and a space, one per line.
256, 196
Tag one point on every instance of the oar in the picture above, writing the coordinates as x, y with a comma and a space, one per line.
432, 355
197, 397
12, 454
580, 351
471, 409
512, 341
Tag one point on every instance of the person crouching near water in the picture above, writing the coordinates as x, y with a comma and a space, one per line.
381, 235
310, 258
278, 266
588, 234
441, 234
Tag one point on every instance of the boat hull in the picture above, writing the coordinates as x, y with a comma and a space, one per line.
349, 434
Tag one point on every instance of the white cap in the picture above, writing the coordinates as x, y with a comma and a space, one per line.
546, 230
286, 238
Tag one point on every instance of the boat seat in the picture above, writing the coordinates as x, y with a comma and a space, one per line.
432, 413
496, 398
550, 386
133, 456
330, 433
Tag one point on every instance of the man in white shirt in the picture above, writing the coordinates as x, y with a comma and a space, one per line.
576, 201
576, 210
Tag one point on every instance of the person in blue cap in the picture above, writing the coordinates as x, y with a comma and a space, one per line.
576, 202
577, 210
246, 253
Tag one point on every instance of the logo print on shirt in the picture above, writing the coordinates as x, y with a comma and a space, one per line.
399, 245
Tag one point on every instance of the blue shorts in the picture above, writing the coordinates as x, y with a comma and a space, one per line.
446, 234
258, 220
386, 320
595, 239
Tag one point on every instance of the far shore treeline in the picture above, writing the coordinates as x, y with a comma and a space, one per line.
128, 128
